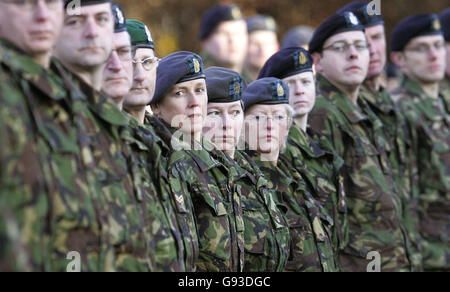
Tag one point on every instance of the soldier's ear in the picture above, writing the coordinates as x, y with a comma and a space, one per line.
316, 58
155, 109
398, 58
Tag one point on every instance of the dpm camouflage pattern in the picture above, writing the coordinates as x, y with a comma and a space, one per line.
373, 203
429, 122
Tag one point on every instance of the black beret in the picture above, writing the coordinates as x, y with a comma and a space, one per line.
287, 62
224, 85
361, 10
140, 35
261, 22
215, 16
120, 24
176, 68
266, 91
298, 36
338, 23
84, 2
445, 22
412, 27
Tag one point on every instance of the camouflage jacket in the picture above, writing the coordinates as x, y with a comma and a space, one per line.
44, 186
320, 170
266, 228
429, 122
397, 144
311, 248
373, 202
166, 239
207, 181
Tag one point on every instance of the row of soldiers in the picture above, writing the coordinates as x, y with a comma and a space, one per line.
295, 171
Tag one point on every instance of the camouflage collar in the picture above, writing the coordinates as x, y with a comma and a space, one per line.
427, 105
100, 103
340, 100
202, 158
302, 140
412, 87
380, 100
249, 167
21, 64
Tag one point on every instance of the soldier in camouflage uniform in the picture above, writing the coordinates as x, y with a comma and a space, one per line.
51, 209
267, 121
137, 223
444, 17
398, 139
204, 176
420, 53
152, 150
266, 229
318, 166
340, 51
224, 38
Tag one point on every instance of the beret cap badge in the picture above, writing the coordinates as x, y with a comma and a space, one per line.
236, 12
352, 18
196, 65
302, 58
237, 87
120, 17
436, 24
280, 90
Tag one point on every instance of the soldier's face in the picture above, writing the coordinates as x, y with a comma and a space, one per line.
118, 74
87, 39
228, 44
266, 127
448, 59
223, 124
185, 106
34, 28
347, 68
302, 90
376, 38
261, 46
144, 80
424, 59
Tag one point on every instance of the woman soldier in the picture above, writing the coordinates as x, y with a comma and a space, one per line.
268, 117
266, 230
207, 182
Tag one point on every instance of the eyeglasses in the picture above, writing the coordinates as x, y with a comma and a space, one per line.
343, 47
425, 49
32, 4
148, 64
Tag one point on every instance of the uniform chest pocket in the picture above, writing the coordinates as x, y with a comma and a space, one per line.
361, 145
212, 199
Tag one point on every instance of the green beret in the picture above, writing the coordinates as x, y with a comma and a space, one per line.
140, 35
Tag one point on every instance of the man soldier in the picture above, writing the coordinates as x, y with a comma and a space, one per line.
262, 44
341, 55
49, 197
398, 144
224, 38
418, 48
444, 17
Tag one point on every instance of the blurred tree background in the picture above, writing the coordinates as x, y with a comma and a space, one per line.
174, 24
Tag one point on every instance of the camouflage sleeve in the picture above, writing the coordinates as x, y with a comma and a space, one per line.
13, 211
23, 205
